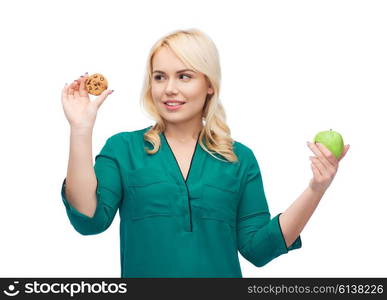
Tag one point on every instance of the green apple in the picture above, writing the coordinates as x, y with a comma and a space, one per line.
332, 140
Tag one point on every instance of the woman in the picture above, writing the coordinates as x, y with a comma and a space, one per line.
189, 196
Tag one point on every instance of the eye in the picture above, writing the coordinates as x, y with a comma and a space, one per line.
185, 75
157, 77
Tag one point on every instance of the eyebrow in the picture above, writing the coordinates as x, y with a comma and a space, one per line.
184, 70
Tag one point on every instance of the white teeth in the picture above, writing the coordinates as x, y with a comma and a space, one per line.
173, 104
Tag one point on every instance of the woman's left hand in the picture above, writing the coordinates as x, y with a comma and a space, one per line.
324, 166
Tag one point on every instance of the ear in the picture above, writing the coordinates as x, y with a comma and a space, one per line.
210, 90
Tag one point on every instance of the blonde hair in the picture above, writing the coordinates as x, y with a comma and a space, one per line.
199, 52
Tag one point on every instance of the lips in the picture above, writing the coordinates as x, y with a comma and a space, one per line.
173, 101
173, 105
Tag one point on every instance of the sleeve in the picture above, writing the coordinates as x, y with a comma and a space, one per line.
260, 238
108, 193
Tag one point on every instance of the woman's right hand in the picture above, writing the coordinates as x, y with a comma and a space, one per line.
79, 110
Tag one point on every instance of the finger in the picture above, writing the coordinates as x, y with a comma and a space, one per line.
328, 154
101, 98
71, 90
316, 150
64, 92
319, 165
316, 171
82, 88
344, 152
76, 88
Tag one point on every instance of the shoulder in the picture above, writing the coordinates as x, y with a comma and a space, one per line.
249, 163
243, 152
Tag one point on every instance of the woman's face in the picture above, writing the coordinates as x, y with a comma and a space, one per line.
173, 80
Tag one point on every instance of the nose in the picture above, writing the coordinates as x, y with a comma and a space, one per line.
171, 87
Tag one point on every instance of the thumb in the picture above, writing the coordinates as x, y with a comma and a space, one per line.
101, 98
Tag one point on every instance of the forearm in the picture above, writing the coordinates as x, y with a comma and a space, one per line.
295, 217
81, 181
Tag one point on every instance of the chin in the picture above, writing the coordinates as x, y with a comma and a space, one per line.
174, 119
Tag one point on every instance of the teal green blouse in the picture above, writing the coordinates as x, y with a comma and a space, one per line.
171, 227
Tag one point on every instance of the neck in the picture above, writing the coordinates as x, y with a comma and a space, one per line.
183, 132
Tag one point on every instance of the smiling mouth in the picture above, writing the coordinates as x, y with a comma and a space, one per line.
173, 106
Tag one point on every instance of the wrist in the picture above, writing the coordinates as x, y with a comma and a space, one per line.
316, 191
81, 131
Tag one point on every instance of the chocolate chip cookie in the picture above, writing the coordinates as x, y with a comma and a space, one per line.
96, 84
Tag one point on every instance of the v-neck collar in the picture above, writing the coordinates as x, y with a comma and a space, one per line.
170, 151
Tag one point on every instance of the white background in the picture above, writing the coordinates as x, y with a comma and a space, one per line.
289, 70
